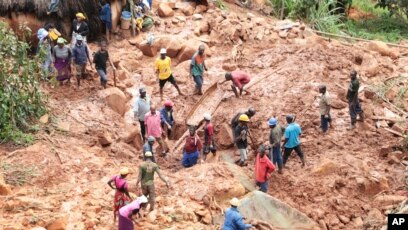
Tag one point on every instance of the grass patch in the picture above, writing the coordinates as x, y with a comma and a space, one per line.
16, 174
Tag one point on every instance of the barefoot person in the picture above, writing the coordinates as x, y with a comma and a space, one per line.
122, 196
239, 80
164, 73
197, 69
127, 213
100, 59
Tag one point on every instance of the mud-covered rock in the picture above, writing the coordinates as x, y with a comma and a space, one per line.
189, 48
4, 188
165, 10
115, 99
147, 49
58, 224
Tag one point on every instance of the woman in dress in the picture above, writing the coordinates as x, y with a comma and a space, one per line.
127, 212
62, 60
122, 196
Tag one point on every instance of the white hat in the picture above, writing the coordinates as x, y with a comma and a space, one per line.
79, 37
148, 154
163, 51
142, 199
207, 116
234, 202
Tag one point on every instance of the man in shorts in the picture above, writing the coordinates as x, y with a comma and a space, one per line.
163, 71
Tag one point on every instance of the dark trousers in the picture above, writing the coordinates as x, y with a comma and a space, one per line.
288, 151
142, 129
324, 123
275, 156
354, 110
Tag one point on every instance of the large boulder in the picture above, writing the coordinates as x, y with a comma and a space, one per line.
165, 10
147, 49
225, 136
58, 224
189, 48
115, 99
173, 44
383, 49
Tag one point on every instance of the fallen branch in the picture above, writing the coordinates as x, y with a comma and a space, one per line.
58, 155
389, 119
394, 132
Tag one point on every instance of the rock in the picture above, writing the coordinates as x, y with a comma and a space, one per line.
392, 94
131, 134
358, 222
393, 160
173, 44
385, 200
123, 150
225, 136
189, 48
338, 104
168, 210
398, 128
58, 224
292, 35
374, 217
165, 10
197, 17
385, 150
152, 216
375, 184
339, 183
4, 188
259, 21
398, 154
105, 138
197, 31
188, 10
44, 119
200, 9
203, 27
229, 66
332, 219
147, 49
370, 66
283, 34
207, 219
175, 21
344, 219
115, 99
121, 74
326, 167
38, 228
383, 49
322, 225
63, 126
368, 94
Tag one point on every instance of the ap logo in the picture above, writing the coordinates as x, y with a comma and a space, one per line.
397, 221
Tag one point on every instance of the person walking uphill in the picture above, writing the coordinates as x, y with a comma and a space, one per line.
197, 68
275, 138
122, 196
62, 60
153, 128
146, 178
209, 143
192, 148
100, 59
106, 17
148, 147
79, 27
140, 108
324, 107
241, 135
239, 80
127, 212
166, 118
80, 55
233, 219
164, 73
263, 169
353, 101
292, 142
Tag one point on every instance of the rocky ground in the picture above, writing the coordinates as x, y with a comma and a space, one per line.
352, 178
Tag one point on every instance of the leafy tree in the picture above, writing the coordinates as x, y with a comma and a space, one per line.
21, 100
396, 7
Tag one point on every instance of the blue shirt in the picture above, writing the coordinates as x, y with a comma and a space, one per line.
292, 133
80, 54
234, 221
106, 15
141, 107
166, 116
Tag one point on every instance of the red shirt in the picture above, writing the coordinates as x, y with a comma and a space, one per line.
240, 78
193, 144
263, 168
208, 133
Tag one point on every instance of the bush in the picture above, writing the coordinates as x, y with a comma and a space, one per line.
21, 100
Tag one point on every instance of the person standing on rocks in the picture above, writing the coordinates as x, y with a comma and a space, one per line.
233, 219
79, 27
324, 107
148, 147
80, 55
235, 120
100, 59
263, 169
127, 212
197, 69
209, 143
275, 138
163, 71
353, 101
140, 108
241, 134
122, 196
166, 117
192, 148
146, 177
239, 80
153, 128
62, 60
292, 142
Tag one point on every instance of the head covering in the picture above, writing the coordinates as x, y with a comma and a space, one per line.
273, 121
142, 90
124, 171
207, 116
168, 103
251, 112
60, 40
80, 15
142, 199
151, 138
148, 154
79, 37
234, 202
42, 34
244, 117
163, 51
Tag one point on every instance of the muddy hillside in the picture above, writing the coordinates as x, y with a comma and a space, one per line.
352, 178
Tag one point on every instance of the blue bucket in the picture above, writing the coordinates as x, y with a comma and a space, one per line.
126, 15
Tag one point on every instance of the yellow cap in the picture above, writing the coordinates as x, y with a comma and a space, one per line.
80, 15
124, 171
234, 202
244, 117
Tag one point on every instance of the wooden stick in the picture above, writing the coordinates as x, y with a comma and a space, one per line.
394, 132
255, 81
393, 119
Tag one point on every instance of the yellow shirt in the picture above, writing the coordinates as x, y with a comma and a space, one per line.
164, 67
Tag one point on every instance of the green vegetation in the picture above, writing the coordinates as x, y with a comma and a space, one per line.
21, 100
17, 175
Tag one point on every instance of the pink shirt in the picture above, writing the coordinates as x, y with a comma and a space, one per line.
153, 125
128, 209
120, 182
240, 78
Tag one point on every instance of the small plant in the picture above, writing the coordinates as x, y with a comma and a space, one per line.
325, 18
17, 175
220, 4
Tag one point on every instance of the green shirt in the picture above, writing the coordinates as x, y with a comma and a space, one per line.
275, 135
147, 170
197, 65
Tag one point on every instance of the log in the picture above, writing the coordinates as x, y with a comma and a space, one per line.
394, 132
259, 79
388, 119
